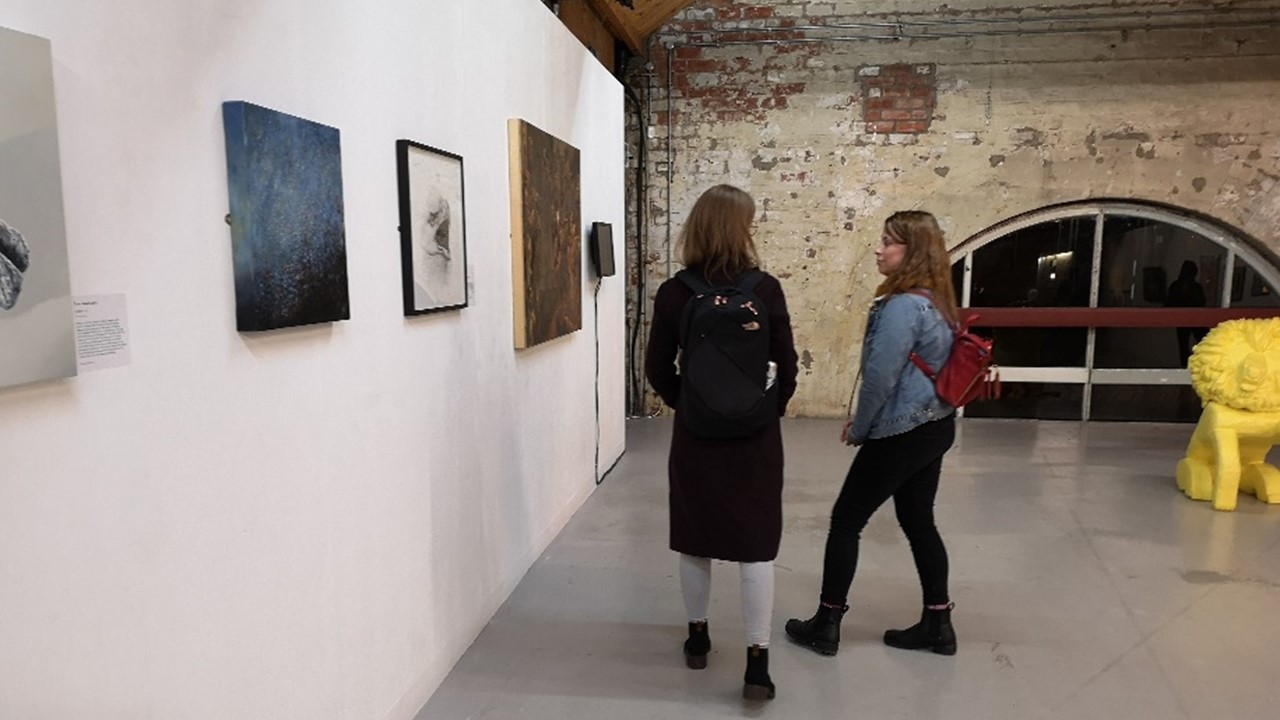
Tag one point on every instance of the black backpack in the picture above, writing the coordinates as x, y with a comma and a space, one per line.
725, 388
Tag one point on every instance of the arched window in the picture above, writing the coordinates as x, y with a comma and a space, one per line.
1095, 306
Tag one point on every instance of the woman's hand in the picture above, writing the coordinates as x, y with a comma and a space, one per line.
844, 434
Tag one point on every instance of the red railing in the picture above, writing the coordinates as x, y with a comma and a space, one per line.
1127, 317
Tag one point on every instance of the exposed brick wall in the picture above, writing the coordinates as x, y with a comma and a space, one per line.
898, 98
1014, 123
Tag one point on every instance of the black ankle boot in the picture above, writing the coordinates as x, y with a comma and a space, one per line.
697, 646
756, 683
820, 632
934, 633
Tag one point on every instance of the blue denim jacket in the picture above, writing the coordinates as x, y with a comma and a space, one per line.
895, 395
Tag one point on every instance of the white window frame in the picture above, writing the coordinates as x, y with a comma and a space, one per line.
1088, 375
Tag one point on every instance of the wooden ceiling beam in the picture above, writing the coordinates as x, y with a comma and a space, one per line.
634, 25
650, 15
620, 24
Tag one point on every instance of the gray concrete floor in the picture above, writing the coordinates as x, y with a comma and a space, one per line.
1086, 586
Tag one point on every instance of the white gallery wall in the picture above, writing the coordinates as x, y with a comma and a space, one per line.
316, 522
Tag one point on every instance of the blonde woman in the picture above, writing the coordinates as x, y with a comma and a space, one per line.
725, 494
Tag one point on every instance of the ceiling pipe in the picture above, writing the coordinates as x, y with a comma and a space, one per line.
1268, 13
917, 29
983, 33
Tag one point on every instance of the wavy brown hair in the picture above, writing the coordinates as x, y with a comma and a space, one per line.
716, 238
925, 265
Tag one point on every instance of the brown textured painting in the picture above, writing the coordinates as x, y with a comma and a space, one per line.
546, 235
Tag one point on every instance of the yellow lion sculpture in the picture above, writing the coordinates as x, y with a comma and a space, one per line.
1238, 365
1236, 372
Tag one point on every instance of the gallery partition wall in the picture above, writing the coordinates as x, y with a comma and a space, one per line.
1094, 306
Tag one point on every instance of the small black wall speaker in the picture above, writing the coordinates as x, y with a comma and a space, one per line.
602, 248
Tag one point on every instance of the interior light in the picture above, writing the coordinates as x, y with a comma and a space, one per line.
1063, 256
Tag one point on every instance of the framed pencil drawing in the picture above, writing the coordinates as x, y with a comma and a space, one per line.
433, 236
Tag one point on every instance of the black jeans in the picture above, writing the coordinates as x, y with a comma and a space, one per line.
905, 467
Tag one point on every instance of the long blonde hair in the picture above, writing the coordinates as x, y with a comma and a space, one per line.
716, 237
925, 264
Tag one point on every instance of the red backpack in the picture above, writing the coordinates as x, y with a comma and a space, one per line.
969, 373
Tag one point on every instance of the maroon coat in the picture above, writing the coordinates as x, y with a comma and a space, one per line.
725, 495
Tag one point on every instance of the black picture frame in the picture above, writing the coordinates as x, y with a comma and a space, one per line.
433, 232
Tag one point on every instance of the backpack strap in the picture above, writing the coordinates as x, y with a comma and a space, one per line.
750, 280
924, 366
693, 281
919, 361
698, 284
927, 296
957, 327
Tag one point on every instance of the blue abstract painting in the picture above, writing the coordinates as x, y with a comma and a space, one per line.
287, 232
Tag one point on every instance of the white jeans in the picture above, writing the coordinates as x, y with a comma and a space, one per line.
757, 594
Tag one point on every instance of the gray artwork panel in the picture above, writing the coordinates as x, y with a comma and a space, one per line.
37, 336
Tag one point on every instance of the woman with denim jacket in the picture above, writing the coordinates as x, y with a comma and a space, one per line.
903, 429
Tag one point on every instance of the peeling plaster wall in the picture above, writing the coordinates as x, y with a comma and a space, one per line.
1185, 117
